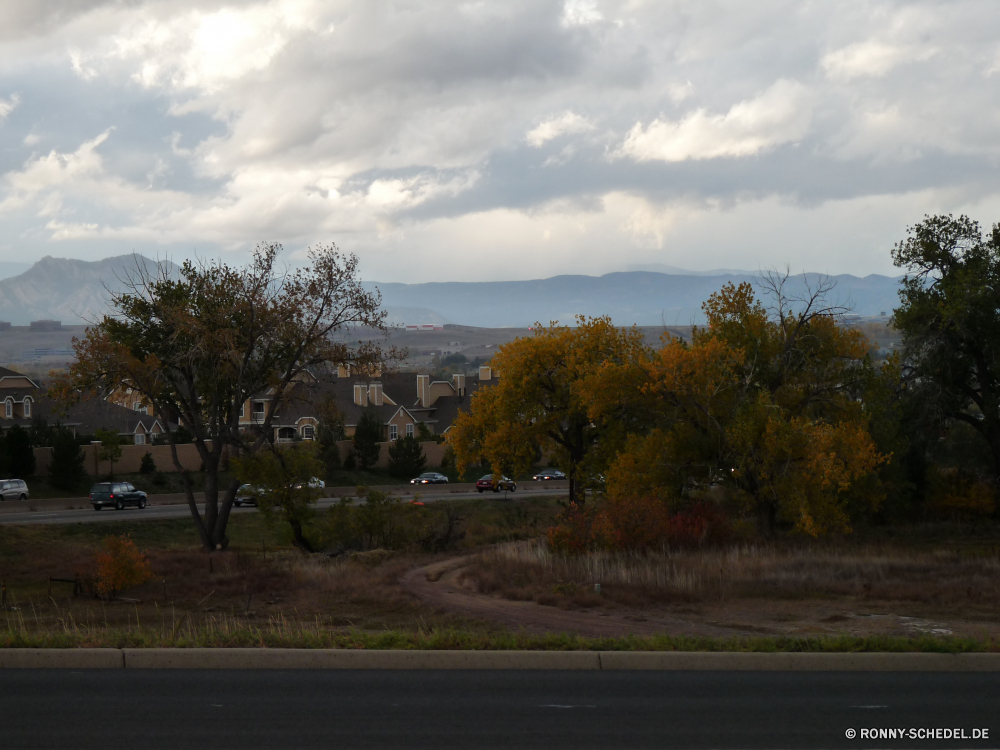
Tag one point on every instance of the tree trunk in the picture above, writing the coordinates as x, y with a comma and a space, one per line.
767, 518
298, 538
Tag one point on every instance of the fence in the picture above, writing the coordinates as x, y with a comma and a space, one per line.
190, 460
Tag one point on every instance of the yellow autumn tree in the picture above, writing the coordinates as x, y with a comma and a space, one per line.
762, 400
541, 401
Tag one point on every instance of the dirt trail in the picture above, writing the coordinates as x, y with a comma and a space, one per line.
438, 585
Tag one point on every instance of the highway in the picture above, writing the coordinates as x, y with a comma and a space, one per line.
251, 709
155, 511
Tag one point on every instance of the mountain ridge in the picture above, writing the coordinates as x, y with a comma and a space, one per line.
76, 291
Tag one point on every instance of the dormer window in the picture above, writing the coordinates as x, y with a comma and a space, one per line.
27, 407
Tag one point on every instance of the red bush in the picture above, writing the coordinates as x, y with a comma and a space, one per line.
636, 523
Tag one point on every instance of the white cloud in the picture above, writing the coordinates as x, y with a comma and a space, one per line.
580, 13
872, 59
8, 105
781, 114
566, 124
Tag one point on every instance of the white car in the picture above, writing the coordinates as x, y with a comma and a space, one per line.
13, 489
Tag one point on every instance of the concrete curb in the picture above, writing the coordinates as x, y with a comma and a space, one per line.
289, 658
61, 658
800, 661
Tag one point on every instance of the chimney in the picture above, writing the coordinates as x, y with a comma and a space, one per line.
458, 381
423, 389
343, 371
375, 393
360, 395
485, 372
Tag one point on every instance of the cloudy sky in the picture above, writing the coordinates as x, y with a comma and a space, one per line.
496, 139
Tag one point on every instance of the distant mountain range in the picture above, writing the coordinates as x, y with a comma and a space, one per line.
75, 291
636, 297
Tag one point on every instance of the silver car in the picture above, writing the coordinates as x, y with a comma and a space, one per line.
13, 489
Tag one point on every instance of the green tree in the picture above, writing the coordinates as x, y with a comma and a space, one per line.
406, 458
110, 450
20, 454
542, 401
147, 465
329, 432
950, 319
66, 468
283, 477
199, 342
368, 433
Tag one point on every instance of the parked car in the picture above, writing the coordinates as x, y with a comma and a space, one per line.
13, 489
246, 495
487, 483
118, 494
430, 477
546, 474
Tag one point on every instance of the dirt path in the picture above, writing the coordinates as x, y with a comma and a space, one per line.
438, 585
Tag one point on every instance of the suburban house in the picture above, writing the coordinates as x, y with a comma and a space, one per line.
19, 397
22, 401
403, 401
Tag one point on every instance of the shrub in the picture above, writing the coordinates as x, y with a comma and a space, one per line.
66, 469
637, 524
702, 524
349, 463
20, 454
147, 465
367, 436
958, 496
120, 566
406, 458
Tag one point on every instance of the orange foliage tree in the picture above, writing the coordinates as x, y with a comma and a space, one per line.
764, 401
120, 566
540, 402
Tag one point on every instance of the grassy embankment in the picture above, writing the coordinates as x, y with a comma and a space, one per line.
261, 592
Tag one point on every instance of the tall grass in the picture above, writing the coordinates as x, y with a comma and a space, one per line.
753, 570
229, 632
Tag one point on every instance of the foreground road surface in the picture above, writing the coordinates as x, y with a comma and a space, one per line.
151, 512
487, 709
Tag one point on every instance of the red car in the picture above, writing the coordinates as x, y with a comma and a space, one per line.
486, 483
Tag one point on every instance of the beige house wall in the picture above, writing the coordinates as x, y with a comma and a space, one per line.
438, 389
15, 382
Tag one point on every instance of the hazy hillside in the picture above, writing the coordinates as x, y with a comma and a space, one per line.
638, 297
72, 291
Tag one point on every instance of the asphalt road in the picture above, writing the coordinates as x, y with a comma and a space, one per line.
486, 709
151, 512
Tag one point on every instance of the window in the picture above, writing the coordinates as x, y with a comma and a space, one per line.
308, 432
409, 430
286, 434
393, 433
258, 410
140, 439
26, 407
129, 487
137, 406
8, 410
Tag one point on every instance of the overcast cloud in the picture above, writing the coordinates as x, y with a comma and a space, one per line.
496, 139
